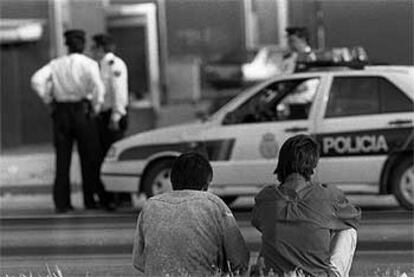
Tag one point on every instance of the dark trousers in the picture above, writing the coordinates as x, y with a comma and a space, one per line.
107, 138
106, 135
72, 122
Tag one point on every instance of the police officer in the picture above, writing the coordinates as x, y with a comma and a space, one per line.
299, 50
112, 119
72, 87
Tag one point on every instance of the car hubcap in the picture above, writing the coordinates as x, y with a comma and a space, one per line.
162, 182
407, 184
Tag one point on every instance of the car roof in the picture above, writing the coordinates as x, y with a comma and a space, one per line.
402, 69
394, 71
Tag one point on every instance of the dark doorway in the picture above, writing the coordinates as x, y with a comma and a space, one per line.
131, 47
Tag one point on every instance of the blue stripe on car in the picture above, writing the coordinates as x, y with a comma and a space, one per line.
216, 150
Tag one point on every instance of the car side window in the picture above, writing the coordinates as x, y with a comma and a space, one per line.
393, 100
283, 100
352, 96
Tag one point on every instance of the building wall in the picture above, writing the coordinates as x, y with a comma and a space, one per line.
24, 118
209, 29
383, 28
267, 21
87, 15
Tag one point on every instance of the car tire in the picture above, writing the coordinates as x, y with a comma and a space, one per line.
157, 180
229, 199
403, 183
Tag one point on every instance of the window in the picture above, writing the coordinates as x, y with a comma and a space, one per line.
350, 96
285, 100
393, 100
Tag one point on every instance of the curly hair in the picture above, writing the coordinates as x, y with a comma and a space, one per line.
191, 171
299, 154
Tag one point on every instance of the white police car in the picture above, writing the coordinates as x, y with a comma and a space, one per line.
363, 120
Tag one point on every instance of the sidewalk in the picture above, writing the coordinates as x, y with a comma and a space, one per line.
30, 169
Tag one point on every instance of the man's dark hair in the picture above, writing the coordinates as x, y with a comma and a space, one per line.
300, 32
191, 171
75, 40
105, 41
299, 154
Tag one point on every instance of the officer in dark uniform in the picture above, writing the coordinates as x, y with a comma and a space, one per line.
72, 87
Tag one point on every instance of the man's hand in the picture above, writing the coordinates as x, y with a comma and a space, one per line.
51, 108
113, 125
97, 108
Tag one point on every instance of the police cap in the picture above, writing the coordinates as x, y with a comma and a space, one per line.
298, 31
74, 34
103, 39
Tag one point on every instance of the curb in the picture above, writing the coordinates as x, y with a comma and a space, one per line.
32, 189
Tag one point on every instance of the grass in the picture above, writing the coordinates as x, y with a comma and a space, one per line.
384, 271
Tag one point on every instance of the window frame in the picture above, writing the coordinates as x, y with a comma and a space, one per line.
277, 101
378, 79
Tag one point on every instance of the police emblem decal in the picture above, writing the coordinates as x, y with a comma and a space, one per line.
117, 73
268, 146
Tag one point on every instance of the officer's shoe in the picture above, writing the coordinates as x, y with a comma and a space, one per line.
92, 207
109, 206
64, 210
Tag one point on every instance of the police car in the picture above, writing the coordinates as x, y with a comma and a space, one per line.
363, 120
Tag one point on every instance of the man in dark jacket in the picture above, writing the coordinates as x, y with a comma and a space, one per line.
298, 219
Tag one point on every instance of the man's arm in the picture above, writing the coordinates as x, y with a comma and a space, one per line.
42, 83
346, 211
346, 215
256, 217
119, 83
344, 238
342, 250
236, 252
97, 85
138, 259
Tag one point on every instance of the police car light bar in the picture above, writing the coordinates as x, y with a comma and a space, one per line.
334, 59
330, 65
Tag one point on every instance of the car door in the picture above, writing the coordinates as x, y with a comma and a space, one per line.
256, 129
364, 118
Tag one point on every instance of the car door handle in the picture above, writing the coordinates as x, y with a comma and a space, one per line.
296, 129
400, 122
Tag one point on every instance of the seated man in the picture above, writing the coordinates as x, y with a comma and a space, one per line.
299, 220
188, 232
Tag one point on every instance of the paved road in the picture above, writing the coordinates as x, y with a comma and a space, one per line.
99, 243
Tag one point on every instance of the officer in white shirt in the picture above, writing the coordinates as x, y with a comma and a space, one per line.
72, 87
112, 120
299, 50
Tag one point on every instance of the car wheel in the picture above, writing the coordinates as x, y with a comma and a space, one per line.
403, 183
229, 199
157, 180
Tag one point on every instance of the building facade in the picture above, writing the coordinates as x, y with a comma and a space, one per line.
156, 36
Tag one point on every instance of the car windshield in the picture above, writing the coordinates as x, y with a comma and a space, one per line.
224, 104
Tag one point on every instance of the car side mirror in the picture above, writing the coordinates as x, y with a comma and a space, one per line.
202, 115
229, 118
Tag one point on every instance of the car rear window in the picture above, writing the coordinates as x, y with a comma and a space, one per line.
351, 96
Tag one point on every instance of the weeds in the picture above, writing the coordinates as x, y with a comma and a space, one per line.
387, 271
54, 272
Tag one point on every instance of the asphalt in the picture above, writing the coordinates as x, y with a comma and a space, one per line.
25, 186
